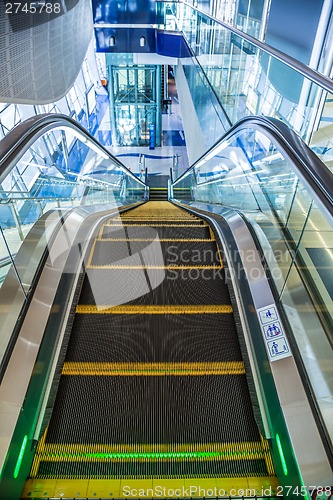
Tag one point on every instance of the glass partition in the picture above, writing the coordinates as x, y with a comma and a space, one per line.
61, 170
247, 80
211, 116
252, 174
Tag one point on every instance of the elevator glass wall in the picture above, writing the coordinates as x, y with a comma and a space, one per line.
134, 101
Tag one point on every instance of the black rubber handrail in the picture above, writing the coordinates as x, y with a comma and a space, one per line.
316, 174
21, 137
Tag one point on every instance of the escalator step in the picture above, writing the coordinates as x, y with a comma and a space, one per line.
155, 286
132, 469
162, 216
159, 222
156, 218
163, 232
156, 253
160, 310
138, 410
158, 207
150, 338
153, 369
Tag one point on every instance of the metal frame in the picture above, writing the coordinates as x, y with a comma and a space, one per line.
18, 140
309, 168
316, 77
72, 235
307, 444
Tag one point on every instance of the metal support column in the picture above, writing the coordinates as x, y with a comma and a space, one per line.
158, 105
112, 106
64, 149
16, 220
136, 109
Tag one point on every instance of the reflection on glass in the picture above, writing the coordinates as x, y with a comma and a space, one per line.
62, 169
251, 173
322, 137
248, 81
5, 260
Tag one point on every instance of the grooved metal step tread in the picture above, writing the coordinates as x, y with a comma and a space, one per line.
159, 222
137, 286
145, 468
156, 253
158, 231
150, 338
152, 409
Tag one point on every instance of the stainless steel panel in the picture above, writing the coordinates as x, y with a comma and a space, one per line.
304, 435
21, 364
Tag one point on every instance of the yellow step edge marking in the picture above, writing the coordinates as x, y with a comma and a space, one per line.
267, 456
157, 217
158, 205
211, 233
237, 447
217, 246
135, 220
159, 210
153, 369
155, 213
39, 451
154, 309
219, 254
156, 220
91, 254
56, 452
89, 266
157, 239
100, 232
157, 225
146, 487
152, 217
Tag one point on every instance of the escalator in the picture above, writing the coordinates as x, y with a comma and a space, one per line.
153, 390
137, 363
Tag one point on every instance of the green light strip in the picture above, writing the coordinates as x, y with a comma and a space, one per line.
20, 457
190, 454
165, 454
283, 460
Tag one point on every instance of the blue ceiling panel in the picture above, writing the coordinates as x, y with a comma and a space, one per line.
171, 44
126, 40
125, 12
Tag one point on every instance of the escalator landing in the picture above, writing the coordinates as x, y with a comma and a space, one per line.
248, 487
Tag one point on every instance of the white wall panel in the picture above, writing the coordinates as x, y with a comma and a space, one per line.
38, 64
